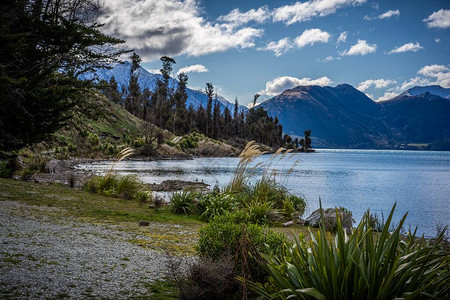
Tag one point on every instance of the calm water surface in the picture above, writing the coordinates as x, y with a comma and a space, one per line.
356, 179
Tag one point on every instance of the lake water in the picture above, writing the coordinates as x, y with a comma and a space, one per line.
418, 181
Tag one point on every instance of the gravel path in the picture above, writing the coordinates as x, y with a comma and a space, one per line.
43, 256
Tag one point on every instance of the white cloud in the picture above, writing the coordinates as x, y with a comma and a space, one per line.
193, 69
171, 27
387, 15
438, 19
237, 17
304, 11
308, 37
360, 48
429, 75
419, 81
342, 37
280, 47
377, 83
280, 84
312, 36
433, 70
414, 47
387, 96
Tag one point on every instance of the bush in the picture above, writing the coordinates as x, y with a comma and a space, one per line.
111, 185
209, 279
127, 186
361, 266
139, 142
5, 171
222, 236
288, 208
184, 202
216, 205
93, 139
143, 196
258, 213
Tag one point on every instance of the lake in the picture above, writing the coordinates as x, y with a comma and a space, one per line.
419, 181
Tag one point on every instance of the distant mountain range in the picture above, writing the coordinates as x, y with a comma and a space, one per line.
122, 74
344, 117
340, 117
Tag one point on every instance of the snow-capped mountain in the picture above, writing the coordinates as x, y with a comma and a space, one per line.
432, 89
122, 74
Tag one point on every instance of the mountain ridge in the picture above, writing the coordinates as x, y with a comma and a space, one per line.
344, 117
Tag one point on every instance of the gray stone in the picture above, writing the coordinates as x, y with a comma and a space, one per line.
329, 215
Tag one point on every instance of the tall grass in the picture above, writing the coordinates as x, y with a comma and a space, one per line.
365, 265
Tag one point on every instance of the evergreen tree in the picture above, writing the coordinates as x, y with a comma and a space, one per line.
209, 90
134, 98
180, 113
216, 119
44, 48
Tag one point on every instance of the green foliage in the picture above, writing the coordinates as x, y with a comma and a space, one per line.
217, 205
139, 142
288, 208
111, 185
184, 202
127, 186
223, 235
361, 266
57, 40
143, 196
93, 139
258, 212
5, 171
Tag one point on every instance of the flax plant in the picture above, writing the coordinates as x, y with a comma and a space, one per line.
364, 265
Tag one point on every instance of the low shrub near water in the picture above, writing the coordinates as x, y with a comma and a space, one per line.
223, 235
112, 185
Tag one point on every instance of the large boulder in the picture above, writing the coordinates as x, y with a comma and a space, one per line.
329, 215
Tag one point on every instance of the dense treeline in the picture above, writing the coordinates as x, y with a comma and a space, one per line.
166, 108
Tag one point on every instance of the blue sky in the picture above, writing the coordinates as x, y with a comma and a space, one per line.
248, 47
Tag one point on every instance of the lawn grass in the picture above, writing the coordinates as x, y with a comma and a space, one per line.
80, 203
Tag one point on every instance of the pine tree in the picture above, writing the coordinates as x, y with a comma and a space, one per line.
216, 119
44, 49
209, 90
180, 113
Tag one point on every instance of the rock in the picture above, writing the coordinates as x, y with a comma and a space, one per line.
177, 185
300, 221
287, 224
329, 215
144, 223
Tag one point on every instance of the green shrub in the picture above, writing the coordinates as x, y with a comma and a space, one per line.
217, 204
184, 202
361, 266
171, 144
258, 212
139, 142
267, 190
93, 139
222, 236
298, 202
288, 208
127, 186
143, 196
5, 170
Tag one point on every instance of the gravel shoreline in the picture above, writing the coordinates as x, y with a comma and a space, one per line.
43, 255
